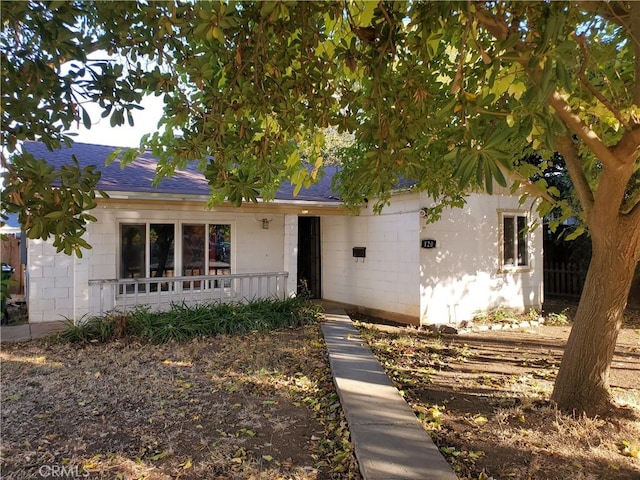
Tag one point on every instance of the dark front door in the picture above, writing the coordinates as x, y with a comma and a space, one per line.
309, 279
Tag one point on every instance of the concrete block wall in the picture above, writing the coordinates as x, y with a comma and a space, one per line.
52, 292
387, 278
461, 276
59, 284
449, 283
446, 284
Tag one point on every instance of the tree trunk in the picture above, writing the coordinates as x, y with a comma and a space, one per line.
582, 384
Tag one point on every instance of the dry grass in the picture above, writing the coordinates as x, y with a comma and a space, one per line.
257, 406
484, 399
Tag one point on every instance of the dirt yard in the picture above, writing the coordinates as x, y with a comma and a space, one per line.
247, 407
484, 398
263, 407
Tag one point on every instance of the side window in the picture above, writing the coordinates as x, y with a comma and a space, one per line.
514, 234
132, 250
206, 249
148, 250
219, 249
161, 249
193, 250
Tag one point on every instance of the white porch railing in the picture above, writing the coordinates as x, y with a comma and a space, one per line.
159, 293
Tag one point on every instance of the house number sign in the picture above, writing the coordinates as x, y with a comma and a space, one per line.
428, 243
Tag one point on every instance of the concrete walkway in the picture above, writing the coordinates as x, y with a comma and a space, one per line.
28, 331
389, 441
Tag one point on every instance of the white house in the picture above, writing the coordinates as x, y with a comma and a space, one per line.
159, 245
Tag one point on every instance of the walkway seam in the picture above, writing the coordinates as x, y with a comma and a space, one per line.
390, 443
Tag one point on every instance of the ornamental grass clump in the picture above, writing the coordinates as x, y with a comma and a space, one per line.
183, 322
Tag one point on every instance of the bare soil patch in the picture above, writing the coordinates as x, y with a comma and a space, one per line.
257, 406
484, 397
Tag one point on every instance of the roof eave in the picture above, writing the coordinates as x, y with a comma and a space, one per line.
304, 207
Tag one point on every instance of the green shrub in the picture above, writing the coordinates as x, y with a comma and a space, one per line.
95, 329
183, 322
555, 318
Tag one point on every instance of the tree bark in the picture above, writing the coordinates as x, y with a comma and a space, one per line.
582, 384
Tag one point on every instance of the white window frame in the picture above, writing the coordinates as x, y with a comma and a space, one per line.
510, 267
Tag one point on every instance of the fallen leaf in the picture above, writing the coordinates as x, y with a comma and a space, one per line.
160, 456
629, 450
480, 420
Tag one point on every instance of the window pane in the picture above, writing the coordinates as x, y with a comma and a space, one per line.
219, 249
523, 253
508, 243
193, 241
161, 236
132, 244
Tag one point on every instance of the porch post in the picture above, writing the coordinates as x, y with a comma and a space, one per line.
291, 252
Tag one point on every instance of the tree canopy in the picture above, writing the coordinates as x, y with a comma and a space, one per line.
452, 95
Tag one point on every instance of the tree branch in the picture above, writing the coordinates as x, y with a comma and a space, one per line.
582, 41
497, 27
612, 157
632, 204
565, 146
391, 25
527, 185
615, 12
456, 86
3, 161
584, 132
628, 147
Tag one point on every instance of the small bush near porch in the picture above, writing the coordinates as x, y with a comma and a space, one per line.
182, 322
260, 405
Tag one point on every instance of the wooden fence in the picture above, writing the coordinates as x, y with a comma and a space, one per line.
10, 254
563, 279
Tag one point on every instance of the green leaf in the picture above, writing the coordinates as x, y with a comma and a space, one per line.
465, 170
159, 456
562, 76
86, 120
499, 136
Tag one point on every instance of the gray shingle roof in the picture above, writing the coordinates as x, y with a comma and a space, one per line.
137, 177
